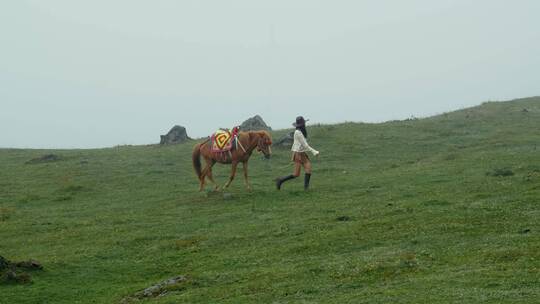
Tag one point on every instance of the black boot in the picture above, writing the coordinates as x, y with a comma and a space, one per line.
306, 181
280, 181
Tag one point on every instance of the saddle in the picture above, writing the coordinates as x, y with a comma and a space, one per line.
223, 140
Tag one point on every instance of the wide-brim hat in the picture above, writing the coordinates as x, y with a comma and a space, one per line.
300, 122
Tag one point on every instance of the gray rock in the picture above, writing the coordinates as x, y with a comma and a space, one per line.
286, 141
176, 135
255, 123
157, 290
12, 272
29, 265
160, 288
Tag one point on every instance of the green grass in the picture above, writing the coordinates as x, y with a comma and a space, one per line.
437, 210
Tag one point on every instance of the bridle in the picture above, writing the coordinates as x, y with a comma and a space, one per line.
265, 146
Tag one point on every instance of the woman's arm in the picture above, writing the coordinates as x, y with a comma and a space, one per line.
298, 136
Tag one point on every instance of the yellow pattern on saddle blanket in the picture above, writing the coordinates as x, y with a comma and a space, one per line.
222, 141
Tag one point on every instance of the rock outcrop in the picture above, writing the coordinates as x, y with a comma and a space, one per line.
176, 135
255, 123
286, 141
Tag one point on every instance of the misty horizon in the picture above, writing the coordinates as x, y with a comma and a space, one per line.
107, 73
310, 123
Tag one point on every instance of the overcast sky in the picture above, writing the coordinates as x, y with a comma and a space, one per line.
80, 74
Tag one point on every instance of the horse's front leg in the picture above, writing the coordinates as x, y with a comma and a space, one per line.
245, 165
233, 174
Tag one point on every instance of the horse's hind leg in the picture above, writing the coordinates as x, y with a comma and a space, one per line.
210, 176
201, 182
202, 178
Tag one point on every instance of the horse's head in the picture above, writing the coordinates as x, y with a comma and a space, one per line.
264, 144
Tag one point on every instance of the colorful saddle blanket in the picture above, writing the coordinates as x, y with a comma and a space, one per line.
222, 141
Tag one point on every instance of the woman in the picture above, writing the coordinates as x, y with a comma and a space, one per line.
300, 157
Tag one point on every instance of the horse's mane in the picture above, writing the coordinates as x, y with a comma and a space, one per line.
261, 134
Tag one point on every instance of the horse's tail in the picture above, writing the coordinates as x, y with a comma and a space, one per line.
196, 156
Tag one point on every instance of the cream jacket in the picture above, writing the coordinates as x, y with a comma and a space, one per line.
300, 144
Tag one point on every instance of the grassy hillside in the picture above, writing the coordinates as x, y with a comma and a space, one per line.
437, 210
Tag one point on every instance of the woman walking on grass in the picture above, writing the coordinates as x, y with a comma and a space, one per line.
300, 158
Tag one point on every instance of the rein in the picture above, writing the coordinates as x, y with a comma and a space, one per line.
240, 143
242, 146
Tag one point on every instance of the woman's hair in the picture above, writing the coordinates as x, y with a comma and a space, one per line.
303, 130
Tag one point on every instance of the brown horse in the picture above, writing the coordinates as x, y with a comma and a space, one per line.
248, 142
